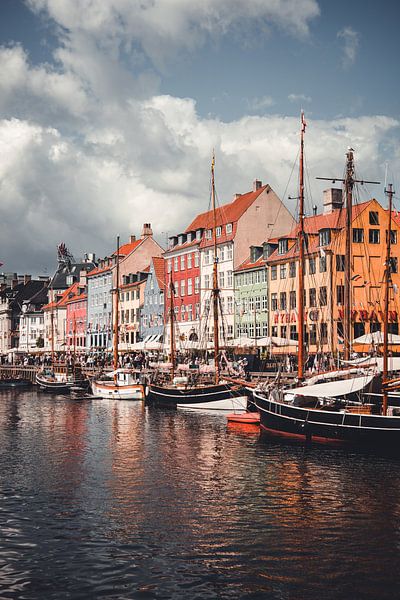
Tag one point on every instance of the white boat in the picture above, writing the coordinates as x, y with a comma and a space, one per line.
121, 385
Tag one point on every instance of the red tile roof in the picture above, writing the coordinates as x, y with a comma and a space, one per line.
159, 266
68, 294
128, 248
98, 270
227, 213
248, 264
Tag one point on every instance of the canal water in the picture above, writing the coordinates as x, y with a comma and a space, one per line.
107, 499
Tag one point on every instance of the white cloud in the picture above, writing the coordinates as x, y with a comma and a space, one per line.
260, 103
299, 98
351, 41
89, 147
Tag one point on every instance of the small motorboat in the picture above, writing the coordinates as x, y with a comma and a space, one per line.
251, 418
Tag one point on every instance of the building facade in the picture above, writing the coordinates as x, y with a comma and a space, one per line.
152, 316
131, 298
99, 306
76, 318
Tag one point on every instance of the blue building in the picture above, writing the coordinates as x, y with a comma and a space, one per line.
99, 306
152, 313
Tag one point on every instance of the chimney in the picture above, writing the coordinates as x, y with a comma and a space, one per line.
82, 278
257, 184
27, 278
132, 239
314, 210
236, 196
147, 231
333, 200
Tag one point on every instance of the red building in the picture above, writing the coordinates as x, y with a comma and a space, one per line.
76, 317
182, 261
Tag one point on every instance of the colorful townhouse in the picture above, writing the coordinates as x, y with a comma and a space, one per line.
153, 310
76, 316
325, 273
131, 299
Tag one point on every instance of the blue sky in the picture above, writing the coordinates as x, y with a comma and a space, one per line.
109, 110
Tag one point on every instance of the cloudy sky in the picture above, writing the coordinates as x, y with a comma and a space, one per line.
110, 109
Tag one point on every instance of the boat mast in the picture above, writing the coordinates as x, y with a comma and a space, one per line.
116, 319
74, 345
215, 290
349, 184
388, 280
300, 352
172, 326
52, 326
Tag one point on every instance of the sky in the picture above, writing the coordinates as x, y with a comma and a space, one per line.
110, 111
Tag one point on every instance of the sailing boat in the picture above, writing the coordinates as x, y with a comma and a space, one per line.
181, 393
322, 412
120, 384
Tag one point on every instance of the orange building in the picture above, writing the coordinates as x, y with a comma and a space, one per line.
324, 280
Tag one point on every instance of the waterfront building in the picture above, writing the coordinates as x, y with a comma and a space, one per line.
76, 316
152, 312
251, 298
324, 275
131, 299
99, 305
249, 220
31, 321
182, 262
27, 292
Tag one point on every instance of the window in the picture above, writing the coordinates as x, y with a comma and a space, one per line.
221, 279
218, 231
311, 266
221, 253
283, 271
322, 263
324, 237
358, 236
313, 297
196, 259
229, 228
189, 287
208, 234
323, 296
197, 311
282, 300
292, 299
340, 294
176, 288
230, 304
284, 331
313, 334
374, 236
189, 261
206, 281
229, 252
282, 246
393, 236
274, 331
373, 218
393, 264
274, 272
207, 255
264, 302
293, 332
274, 301
340, 262
169, 263
198, 234
257, 277
183, 312
359, 329
257, 302
196, 285
175, 263
229, 280
251, 304
190, 312
292, 269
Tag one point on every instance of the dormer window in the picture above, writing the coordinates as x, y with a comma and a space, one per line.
218, 231
209, 234
324, 237
198, 234
229, 228
283, 246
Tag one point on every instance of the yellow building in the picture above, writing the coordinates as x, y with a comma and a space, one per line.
325, 240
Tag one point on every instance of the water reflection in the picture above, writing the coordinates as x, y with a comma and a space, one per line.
109, 499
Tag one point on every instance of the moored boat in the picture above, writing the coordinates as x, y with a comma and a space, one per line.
123, 386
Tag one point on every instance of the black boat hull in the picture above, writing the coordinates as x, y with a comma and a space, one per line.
327, 427
213, 396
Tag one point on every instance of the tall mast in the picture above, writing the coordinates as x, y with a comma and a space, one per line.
116, 316
74, 344
388, 279
52, 326
215, 290
349, 184
172, 325
300, 352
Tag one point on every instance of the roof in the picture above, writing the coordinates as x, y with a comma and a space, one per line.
33, 291
159, 265
128, 248
98, 270
227, 213
248, 264
313, 224
59, 281
69, 295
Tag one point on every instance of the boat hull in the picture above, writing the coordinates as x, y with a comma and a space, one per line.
327, 427
221, 397
118, 392
57, 386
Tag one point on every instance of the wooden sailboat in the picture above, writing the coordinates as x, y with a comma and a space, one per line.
324, 412
180, 392
120, 384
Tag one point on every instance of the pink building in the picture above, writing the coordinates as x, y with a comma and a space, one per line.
76, 304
